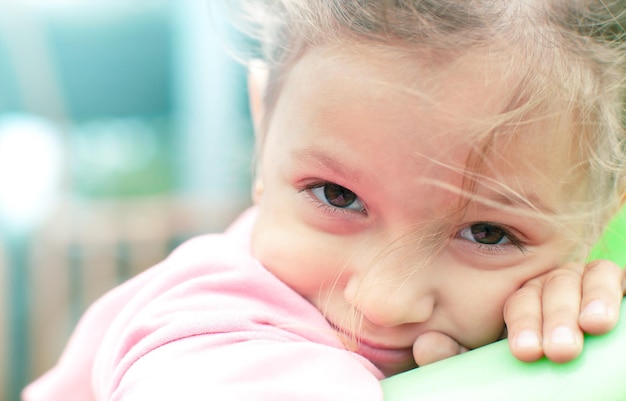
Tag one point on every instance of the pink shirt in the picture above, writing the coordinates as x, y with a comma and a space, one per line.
208, 323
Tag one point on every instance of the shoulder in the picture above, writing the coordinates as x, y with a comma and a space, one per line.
232, 246
210, 248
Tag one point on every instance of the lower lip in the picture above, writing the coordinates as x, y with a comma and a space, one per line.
388, 359
386, 356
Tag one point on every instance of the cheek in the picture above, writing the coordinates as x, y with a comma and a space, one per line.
302, 258
473, 300
480, 318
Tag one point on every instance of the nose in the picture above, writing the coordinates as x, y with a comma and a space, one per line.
391, 303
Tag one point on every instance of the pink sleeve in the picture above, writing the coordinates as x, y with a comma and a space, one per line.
229, 330
262, 370
70, 379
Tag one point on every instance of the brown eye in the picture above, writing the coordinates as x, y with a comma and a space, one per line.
491, 237
337, 196
488, 234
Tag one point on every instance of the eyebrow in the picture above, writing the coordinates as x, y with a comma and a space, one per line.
322, 159
529, 202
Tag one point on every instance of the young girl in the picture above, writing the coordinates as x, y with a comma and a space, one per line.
430, 172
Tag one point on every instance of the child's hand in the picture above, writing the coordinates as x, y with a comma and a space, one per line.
550, 313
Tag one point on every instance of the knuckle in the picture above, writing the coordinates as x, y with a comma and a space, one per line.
522, 296
563, 275
533, 286
603, 267
523, 321
524, 301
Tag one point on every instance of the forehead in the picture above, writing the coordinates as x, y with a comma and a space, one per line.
417, 112
426, 78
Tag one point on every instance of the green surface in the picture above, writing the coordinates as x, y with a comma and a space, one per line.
612, 245
492, 373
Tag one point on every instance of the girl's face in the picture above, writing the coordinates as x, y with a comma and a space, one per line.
361, 211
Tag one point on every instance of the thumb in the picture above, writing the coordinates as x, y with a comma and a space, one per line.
433, 346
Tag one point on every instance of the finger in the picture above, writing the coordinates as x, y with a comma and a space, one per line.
523, 317
562, 336
602, 292
434, 346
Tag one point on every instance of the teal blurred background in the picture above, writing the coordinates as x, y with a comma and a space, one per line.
124, 129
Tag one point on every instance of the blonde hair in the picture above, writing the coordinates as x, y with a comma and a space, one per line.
569, 54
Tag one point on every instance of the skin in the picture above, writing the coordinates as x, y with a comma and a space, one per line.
398, 265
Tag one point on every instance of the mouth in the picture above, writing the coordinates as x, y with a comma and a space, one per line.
388, 358
385, 355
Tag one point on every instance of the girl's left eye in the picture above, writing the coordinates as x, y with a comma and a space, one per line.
491, 237
486, 234
336, 196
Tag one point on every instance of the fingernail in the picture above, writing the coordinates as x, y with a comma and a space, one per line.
595, 308
527, 339
562, 335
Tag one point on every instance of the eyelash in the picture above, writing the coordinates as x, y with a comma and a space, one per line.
332, 210
496, 249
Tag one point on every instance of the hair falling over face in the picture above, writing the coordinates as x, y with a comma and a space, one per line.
568, 58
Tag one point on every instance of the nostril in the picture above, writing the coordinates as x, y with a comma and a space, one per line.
423, 309
386, 307
382, 317
393, 311
375, 309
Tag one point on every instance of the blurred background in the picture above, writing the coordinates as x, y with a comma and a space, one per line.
124, 130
